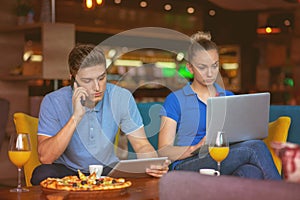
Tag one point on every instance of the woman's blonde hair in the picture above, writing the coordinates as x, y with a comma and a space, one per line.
201, 41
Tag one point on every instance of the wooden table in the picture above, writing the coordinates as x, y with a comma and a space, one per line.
141, 188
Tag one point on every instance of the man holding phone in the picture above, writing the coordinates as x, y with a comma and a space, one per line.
78, 123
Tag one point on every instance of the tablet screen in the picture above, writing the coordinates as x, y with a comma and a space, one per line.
135, 167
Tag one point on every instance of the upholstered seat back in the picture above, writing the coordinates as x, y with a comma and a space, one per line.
28, 124
278, 132
193, 185
150, 114
294, 113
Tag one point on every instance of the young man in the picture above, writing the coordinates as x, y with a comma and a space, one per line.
78, 123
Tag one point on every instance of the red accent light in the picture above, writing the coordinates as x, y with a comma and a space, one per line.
268, 30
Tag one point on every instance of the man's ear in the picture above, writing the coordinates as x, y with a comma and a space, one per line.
72, 80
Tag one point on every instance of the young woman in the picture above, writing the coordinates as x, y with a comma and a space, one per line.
183, 121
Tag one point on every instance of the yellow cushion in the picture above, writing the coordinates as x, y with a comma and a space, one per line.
121, 145
28, 124
116, 143
278, 132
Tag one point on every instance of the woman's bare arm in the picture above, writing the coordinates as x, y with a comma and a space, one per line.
166, 141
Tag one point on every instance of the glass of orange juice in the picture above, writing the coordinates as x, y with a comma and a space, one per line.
19, 153
219, 148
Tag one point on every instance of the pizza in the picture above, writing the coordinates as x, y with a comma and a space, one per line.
85, 183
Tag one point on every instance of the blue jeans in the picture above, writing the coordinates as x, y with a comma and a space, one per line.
249, 159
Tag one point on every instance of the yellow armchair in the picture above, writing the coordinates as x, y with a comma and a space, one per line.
278, 132
28, 124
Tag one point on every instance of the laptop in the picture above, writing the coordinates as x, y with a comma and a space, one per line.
242, 117
135, 168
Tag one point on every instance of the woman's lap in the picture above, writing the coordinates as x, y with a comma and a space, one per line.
253, 153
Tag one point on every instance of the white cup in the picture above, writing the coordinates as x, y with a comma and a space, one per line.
210, 172
97, 169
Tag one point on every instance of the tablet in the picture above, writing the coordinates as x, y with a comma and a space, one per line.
135, 167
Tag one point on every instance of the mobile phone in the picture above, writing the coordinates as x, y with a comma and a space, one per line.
73, 80
82, 101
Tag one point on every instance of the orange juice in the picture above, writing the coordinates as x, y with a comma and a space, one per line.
218, 153
19, 158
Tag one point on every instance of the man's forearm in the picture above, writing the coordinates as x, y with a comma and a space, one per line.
147, 151
50, 148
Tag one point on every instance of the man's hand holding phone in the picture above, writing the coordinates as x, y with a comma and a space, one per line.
79, 97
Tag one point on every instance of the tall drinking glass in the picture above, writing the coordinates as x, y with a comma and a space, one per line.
219, 148
19, 152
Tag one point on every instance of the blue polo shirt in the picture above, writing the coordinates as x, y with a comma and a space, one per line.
189, 112
93, 140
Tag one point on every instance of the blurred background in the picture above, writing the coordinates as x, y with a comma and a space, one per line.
259, 45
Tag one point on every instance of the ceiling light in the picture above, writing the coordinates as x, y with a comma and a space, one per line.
89, 4
287, 22
230, 66
99, 2
36, 58
112, 53
30, 56
190, 10
26, 55
143, 4
130, 63
167, 7
212, 12
180, 56
171, 65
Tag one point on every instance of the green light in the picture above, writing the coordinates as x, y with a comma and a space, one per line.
168, 72
289, 82
184, 72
